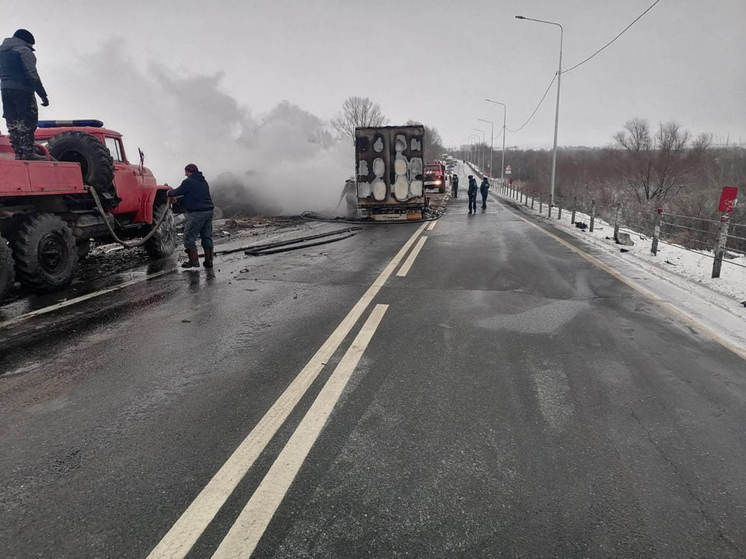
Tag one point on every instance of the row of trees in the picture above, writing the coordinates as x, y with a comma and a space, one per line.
646, 168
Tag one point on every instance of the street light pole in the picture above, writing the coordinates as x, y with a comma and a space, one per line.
556, 110
475, 139
502, 163
480, 151
492, 141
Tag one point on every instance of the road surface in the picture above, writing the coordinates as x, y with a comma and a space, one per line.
474, 389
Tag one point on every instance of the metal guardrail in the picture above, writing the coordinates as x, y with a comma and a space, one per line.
715, 237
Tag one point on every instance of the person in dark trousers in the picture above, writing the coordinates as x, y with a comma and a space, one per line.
19, 81
454, 186
472, 192
195, 199
484, 188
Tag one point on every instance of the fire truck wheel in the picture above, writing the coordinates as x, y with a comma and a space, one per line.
45, 253
7, 276
163, 242
96, 163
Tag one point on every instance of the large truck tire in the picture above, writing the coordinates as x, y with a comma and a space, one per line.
163, 241
96, 163
45, 253
7, 275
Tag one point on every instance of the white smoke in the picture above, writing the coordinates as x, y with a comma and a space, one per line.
283, 162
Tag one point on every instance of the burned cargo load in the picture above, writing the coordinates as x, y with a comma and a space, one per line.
389, 172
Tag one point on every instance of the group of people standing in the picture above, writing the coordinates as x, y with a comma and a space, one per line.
483, 189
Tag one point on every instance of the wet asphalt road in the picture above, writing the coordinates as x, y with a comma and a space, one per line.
515, 401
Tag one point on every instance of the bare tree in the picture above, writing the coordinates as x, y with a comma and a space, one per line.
358, 111
659, 165
433, 144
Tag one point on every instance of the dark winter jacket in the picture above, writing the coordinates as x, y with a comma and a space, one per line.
454, 180
18, 67
472, 186
195, 192
484, 187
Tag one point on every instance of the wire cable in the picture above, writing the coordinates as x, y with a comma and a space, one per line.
622, 32
537, 107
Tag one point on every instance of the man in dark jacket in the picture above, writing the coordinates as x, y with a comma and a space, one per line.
18, 82
195, 199
484, 188
454, 185
472, 192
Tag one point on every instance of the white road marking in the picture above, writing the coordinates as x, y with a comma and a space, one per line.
404, 270
668, 307
250, 525
432, 225
188, 528
82, 298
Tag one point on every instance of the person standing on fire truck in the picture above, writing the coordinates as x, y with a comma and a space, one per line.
18, 82
197, 203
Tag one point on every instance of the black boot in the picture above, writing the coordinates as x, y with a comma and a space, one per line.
16, 138
208, 258
193, 261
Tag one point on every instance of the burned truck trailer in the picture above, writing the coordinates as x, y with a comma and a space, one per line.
389, 167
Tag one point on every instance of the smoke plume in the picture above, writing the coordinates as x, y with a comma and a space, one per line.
279, 163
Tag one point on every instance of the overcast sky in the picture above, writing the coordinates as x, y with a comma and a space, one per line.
433, 61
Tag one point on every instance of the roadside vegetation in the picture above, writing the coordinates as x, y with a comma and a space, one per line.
644, 168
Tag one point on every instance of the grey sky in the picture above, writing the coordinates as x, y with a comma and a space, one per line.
430, 61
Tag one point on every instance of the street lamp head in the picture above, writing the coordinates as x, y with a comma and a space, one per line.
520, 17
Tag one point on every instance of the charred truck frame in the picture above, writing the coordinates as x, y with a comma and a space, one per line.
389, 167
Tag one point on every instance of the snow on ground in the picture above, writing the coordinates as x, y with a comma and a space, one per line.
676, 262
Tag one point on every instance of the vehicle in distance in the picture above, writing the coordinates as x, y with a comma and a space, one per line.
435, 176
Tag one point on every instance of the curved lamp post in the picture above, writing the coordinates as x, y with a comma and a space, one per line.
556, 111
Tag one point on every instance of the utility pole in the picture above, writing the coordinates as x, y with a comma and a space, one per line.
481, 166
556, 110
492, 142
502, 163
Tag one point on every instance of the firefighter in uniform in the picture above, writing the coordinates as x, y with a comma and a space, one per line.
484, 188
472, 192
19, 81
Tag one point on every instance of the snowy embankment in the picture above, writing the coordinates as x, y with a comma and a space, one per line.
677, 263
675, 276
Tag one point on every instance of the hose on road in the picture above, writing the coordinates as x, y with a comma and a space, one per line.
258, 250
315, 217
273, 248
298, 247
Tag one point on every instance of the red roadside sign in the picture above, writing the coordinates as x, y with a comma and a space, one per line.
728, 199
